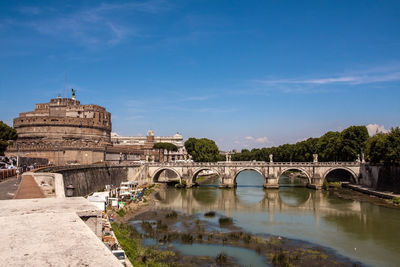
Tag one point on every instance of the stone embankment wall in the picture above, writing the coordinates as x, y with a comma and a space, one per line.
381, 177
92, 179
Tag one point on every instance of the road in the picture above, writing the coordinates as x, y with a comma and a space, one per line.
8, 188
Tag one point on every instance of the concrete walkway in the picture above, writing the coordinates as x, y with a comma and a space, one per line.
28, 188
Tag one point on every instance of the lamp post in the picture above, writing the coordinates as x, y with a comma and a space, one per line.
70, 190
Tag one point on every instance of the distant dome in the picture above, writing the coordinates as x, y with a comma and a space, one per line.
177, 135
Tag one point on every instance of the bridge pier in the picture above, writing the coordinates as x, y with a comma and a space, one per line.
227, 182
271, 183
316, 183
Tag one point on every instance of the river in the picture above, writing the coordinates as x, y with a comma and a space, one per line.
361, 231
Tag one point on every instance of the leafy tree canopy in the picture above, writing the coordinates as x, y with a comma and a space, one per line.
202, 150
7, 134
332, 146
384, 148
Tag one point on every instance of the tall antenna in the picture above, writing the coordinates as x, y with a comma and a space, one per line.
66, 85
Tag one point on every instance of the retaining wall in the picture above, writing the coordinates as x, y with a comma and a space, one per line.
381, 177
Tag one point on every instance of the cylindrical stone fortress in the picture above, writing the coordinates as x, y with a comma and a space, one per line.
64, 131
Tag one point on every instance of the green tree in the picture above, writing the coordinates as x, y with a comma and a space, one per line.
376, 148
393, 153
202, 150
7, 135
329, 145
384, 148
354, 139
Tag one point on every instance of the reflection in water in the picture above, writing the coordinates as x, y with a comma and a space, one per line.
206, 195
293, 197
248, 187
362, 231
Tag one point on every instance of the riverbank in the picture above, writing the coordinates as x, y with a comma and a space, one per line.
357, 193
152, 236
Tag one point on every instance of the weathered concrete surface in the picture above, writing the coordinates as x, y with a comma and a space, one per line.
50, 232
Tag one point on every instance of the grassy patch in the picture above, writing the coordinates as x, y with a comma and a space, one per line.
335, 184
138, 255
396, 200
121, 212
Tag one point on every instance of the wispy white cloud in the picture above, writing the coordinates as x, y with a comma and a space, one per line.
377, 76
373, 75
352, 80
98, 25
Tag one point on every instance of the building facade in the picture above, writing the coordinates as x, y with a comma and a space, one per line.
64, 131
134, 148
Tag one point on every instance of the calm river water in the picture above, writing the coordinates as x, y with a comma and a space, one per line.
361, 231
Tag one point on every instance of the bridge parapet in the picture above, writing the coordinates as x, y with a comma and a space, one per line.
271, 171
249, 164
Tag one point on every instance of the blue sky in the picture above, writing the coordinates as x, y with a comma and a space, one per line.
244, 73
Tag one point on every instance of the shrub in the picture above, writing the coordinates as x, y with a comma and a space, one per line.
121, 212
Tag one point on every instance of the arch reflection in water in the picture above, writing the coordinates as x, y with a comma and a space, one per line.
249, 188
304, 214
205, 195
293, 197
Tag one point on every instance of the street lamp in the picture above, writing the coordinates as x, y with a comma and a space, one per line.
70, 190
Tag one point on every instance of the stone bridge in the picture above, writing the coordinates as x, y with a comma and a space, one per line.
228, 171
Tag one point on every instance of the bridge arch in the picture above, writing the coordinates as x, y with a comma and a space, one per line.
248, 169
198, 170
302, 170
157, 173
349, 170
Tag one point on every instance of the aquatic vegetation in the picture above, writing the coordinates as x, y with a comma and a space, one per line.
147, 227
221, 259
161, 226
225, 221
187, 238
210, 214
171, 215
